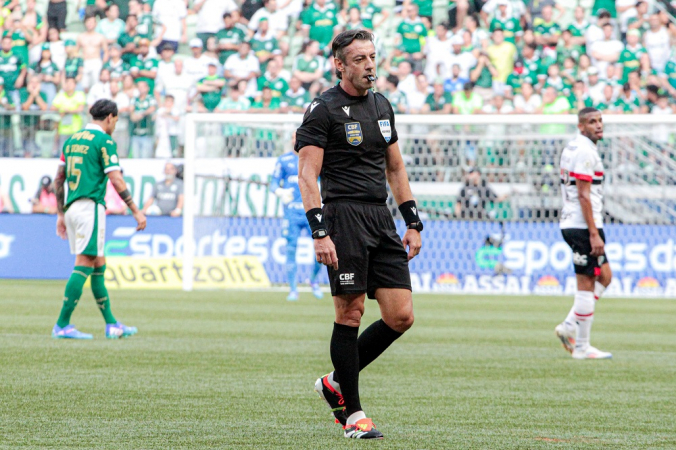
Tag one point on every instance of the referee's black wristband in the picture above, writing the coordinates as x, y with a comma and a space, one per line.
409, 211
315, 218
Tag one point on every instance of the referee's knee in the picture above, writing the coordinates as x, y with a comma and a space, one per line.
402, 321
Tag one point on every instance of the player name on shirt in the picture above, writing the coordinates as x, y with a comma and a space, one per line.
580, 160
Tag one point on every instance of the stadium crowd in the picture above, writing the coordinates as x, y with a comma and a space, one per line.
271, 56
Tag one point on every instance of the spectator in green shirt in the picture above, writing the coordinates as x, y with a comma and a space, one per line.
510, 25
439, 101
264, 44
73, 68
143, 108
411, 33
319, 22
128, 40
546, 30
367, 11
271, 79
308, 66
390, 89
229, 38
267, 103
48, 74
12, 70
630, 57
467, 101
567, 48
210, 88
578, 28
295, 99
627, 102
144, 67
32, 99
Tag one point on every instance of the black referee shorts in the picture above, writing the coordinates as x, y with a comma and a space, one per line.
583, 261
370, 252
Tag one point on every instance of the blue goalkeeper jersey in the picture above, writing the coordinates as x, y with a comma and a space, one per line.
286, 176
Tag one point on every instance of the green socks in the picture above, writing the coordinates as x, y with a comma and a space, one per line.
73, 293
101, 294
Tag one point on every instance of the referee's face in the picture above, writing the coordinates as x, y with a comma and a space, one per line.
360, 62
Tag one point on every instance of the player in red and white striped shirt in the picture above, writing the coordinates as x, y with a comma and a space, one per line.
582, 228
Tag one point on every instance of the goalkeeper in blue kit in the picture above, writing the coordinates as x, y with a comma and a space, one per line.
285, 186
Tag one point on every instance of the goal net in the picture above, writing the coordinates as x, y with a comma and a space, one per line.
487, 186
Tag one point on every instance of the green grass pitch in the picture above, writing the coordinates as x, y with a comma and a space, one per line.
236, 370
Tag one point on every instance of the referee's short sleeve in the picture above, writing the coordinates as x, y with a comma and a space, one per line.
315, 128
395, 136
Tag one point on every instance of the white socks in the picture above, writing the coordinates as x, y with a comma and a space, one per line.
599, 289
354, 417
571, 320
584, 315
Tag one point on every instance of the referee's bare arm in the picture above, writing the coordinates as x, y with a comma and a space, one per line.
398, 180
310, 159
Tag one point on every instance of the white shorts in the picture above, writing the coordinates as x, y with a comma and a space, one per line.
91, 69
86, 227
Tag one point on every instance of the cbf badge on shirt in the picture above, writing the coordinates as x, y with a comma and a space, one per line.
353, 133
385, 129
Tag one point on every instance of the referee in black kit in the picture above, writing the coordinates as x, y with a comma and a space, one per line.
349, 138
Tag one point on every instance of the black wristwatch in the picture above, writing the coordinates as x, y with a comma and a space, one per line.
318, 234
418, 226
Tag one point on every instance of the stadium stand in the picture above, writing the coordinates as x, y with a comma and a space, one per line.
435, 57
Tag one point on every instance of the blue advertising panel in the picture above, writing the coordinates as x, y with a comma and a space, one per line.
468, 257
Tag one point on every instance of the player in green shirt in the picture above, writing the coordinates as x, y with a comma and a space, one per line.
210, 88
229, 38
88, 160
319, 21
412, 31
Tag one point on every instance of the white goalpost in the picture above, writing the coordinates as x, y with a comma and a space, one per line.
518, 154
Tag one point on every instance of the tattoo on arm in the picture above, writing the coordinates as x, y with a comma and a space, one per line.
126, 197
59, 188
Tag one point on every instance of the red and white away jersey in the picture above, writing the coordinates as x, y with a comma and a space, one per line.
580, 160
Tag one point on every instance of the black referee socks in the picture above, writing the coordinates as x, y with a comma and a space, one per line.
345, 359
372, 343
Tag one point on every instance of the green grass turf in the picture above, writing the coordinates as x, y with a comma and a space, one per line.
236, 370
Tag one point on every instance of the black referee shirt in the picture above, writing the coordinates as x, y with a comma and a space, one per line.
354, 133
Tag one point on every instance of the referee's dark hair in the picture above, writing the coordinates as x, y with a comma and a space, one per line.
583, 113
102, 109
344, 39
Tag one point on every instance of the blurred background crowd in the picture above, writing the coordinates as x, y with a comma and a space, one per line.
162, 59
